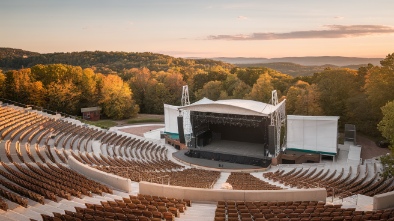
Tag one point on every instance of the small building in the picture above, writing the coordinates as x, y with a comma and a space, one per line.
91, 113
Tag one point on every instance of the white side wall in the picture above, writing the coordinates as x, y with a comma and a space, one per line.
199, 194
383, 201
315, 133
170, 118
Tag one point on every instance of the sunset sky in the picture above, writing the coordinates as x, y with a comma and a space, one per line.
202, 28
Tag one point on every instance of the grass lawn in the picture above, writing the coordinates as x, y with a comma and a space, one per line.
140, 119
146, 118
105, 124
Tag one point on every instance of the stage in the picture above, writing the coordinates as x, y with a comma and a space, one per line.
235, 148
226, 149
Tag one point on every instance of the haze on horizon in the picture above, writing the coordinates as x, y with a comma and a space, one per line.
250, 28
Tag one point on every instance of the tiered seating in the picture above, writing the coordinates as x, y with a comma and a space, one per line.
137, 208
293, 210
335, 185
246, 181
385, 187
13, 197
25, 176
3, 204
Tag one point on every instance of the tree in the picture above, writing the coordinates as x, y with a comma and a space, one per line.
37, 94
17, 85
303, 99
116, 98
157, 94
2, 83
386, 127
88, 88
63, 97
139, 85
388, 62
262, 89
379, 83
211, 90
249, 75
241, 90
335, 88
173, 82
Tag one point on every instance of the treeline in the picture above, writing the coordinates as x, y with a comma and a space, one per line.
139, 83
67, 88
101, 61
297, 70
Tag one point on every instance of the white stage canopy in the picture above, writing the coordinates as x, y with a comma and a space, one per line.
233, 106
313, 133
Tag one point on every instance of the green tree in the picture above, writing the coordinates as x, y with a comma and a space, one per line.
156, 96
139, 85
241, 90
173, 82
211, 90
386, 127
379, 83
335, 88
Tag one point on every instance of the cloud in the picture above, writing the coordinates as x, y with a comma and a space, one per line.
242, 17
330, 31
339, 17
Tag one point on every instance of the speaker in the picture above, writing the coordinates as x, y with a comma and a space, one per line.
180, 129
271, 139
193, 142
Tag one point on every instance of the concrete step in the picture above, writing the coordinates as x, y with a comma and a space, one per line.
10, 214
28, 212
222, 179
5, 218
198, 212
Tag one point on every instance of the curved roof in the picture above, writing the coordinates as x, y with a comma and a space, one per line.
233, 106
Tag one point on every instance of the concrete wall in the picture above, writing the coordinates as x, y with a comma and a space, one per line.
383, 201
198, 194
114, 181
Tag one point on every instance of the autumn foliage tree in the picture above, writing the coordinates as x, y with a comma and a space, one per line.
116, 98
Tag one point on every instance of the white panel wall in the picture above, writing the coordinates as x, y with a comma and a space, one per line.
297, 135
310, 134
170, 118
315, 133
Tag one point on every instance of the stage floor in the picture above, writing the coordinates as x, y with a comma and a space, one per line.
235, 148
224, 146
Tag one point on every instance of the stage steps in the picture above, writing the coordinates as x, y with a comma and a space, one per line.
222, 179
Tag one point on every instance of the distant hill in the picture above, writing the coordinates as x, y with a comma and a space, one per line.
110, 62
310, 61
296, 70
104, 62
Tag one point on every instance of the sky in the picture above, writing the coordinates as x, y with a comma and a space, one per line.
202, 28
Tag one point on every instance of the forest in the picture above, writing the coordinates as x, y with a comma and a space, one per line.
125, 84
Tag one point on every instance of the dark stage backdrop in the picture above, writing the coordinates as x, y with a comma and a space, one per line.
241, 134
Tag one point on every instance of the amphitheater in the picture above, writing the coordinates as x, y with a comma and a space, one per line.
57, 168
